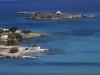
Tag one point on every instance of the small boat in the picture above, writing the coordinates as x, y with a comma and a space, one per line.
30, 57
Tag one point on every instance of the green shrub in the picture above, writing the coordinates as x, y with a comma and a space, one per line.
35, 45
26, 31
11, 36
28, 45
14, 50
18, 36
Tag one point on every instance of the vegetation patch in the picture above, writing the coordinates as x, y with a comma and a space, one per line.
13, 50
26, 31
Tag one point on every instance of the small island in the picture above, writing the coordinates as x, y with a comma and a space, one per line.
52, 15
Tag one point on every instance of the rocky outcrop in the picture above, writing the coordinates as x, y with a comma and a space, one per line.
57, 16
52, 15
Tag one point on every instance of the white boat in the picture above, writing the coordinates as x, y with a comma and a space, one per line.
30, 57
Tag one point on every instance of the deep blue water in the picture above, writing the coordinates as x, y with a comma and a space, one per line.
76, 42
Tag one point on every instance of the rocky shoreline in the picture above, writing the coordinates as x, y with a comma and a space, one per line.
34, 34
27, 35
52, 15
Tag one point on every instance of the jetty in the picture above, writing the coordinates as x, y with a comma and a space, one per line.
53, 15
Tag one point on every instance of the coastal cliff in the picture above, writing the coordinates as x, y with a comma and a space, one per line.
52, 15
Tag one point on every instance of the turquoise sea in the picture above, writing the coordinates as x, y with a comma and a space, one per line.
76, 42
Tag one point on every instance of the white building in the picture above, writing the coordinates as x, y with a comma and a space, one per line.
17, 31
36, 48
5, 29
40, 49
58, 12
4, 37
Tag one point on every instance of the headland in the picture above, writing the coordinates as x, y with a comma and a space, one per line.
14, 34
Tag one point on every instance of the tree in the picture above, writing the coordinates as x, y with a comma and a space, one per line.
11, 36
1, 31
13, 29
14, 50
26, 31
18, 36
12, 42
35, 45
